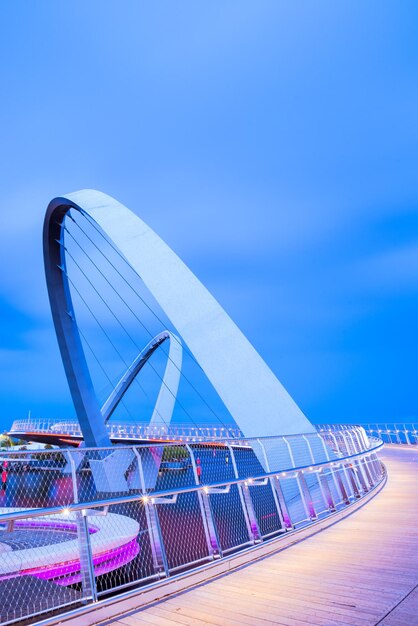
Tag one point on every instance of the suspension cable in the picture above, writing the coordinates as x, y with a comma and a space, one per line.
103, 369
118, 252
110, 341
129, 307
127, 333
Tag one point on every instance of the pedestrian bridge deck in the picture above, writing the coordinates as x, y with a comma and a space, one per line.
360, 571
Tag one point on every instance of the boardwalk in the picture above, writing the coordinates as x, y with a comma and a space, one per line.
362, 571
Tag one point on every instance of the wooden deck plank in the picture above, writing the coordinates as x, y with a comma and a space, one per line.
279, 607
406, 612
360, 572
248, 611
176, 617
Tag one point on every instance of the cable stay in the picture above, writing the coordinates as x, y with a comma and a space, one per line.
129, 307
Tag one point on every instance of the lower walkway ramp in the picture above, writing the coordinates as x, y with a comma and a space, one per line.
361, 571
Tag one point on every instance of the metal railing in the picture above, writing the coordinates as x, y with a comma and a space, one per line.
129, 431
80, 524
406, 434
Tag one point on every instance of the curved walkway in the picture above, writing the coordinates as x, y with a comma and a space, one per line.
361, 571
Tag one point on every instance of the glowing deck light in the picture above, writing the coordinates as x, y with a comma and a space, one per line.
66, 511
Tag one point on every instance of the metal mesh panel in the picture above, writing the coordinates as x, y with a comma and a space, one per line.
293, 497
213, 462
331, 478
247, 462
265, 508
317, 499
229, 519
31, 480
183, 531
124, 556
277, 453
320, 454
159, 508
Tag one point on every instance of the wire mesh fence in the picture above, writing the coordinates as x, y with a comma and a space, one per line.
78, 524
406, 434
399, 433
125, 431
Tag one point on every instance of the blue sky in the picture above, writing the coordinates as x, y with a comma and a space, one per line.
273, 145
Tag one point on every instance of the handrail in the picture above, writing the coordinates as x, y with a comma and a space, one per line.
234, 494
125, 430
401, 433
184, 438
82, 506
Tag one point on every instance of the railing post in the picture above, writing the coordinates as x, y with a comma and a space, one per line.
362, 435
277, 489
339, 485
88, 579
372, 468
377, 465
359, 440
362, 462
348, 473
246, 503
279, 499
211, 532
366, 470
356, 465
408, 441
351, 476
305, 494
345, 495
334, 439
159, 556
342, 445
361, 474
369, 469
322, 481
354, 441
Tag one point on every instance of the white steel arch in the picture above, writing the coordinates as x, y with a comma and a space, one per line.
250, 391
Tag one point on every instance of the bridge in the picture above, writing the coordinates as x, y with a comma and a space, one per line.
151, 510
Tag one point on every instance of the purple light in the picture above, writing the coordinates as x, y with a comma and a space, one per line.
69, 572
103, 563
